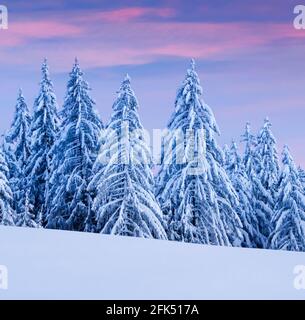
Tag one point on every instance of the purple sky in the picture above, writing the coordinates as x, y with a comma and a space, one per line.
250, 59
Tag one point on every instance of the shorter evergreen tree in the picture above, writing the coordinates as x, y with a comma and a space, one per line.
17, 152
289, 218
268, 166
243, 186
264, 179
6, 195
251, 162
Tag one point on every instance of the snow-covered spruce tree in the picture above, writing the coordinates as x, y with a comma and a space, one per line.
289, 217
125, 204
17, 152
251, 162
73, 155
195, 193
265, 179
243, 186
44, 129
6, 196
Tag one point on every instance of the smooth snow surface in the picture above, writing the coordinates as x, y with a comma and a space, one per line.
51, 264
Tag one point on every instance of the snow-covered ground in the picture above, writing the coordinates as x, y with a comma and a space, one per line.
47, 264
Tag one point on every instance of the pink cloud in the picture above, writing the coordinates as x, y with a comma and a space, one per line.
130, 14
23, 32
44, 29
102, 42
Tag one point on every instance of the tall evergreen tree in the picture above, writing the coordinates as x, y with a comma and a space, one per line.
251, 162
44, 129
265, 179
125, 203
17, 152
69, 202
194, 191
6, 196
242, 184
289, 217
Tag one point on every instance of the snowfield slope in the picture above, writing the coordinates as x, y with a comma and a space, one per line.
47, 264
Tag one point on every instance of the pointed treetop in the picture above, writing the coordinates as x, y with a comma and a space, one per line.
192, 77
193, 64
127, 77
267, 125
126, 82
45, 68
45, 64
267, 122
76, 70
247, 136
20, 93
21, 104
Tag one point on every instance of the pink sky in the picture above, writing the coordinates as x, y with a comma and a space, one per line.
249, 57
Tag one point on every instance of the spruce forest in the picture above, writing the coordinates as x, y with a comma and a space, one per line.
66, 169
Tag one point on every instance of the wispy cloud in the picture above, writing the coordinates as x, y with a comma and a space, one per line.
124, 15
23, 32
118, 37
